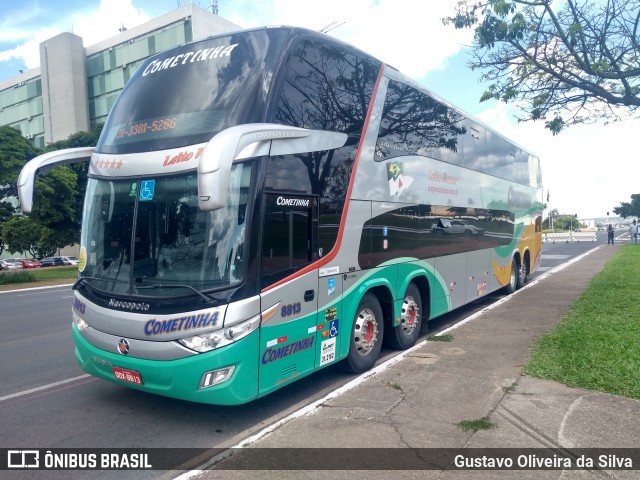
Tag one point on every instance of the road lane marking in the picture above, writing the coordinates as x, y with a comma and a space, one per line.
36, 288
41, 293
43, 387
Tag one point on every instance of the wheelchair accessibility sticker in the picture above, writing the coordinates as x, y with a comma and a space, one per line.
147, 188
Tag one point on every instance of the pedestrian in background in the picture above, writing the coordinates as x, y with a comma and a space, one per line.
610, 234
633, 231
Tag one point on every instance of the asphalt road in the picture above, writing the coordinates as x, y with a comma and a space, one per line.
46, 401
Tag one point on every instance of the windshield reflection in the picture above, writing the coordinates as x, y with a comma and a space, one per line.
176, 246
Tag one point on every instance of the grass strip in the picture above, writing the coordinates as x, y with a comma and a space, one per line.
39, 275
596, 345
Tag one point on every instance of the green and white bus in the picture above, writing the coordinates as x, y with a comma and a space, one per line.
265, 203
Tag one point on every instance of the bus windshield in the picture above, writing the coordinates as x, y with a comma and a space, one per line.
147, 237
187, 95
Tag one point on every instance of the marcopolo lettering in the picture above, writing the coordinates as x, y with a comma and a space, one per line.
274, 134
179, 324
128, 305
273, 354
189, 57
293, 202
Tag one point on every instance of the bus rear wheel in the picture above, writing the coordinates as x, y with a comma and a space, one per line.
523, 275
366, 335
513, 277
406, 334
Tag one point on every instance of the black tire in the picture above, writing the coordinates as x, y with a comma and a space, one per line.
407, 332
366, 335
512, 286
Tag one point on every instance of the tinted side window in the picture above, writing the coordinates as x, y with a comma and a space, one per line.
289, 236
413, 123
324, 87
425, 231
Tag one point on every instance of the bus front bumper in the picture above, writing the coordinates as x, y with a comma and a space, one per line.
180, 378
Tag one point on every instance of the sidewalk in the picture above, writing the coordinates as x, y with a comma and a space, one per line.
418, 401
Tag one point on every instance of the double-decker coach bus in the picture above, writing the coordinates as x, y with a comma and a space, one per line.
264, 203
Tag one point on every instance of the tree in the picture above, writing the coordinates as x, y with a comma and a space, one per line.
6, 212
58, 195
81, 169
553, 214
15, 151
55, 205
25, 234
78, 139
626, 209
568, 64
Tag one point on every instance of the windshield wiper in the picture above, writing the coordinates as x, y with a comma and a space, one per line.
83, 278
206, 297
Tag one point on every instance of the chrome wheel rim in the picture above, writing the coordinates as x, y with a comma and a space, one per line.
409, 317
365, 332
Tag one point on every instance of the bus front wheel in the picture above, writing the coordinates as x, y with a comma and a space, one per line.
366, 335
406, 334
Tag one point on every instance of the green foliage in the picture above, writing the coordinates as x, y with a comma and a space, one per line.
561, 222
46, 275
7, 210
58, 195
21, 276
22, 234
78, 139
626, 209
555, 125
81, 169
15, 151
564, 63
54, 206
476, 425
447, 337
595, 346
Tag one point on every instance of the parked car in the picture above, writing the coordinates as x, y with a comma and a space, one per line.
10, 264
455, 226
52, 261
30, 263
70, 260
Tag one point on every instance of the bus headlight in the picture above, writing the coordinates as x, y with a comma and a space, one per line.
208, 341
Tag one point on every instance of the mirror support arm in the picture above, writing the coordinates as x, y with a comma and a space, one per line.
41, 164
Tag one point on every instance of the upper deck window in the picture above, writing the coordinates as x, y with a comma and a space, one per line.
186, 95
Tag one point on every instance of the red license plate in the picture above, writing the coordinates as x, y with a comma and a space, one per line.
125, 375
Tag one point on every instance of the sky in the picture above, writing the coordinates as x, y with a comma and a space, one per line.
587, 170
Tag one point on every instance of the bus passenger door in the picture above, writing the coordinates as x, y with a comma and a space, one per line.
288, 332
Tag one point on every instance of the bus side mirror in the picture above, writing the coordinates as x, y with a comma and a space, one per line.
252, 140
41, 164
